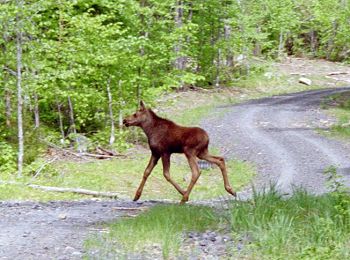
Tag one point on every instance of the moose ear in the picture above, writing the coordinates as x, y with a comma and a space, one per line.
142, 105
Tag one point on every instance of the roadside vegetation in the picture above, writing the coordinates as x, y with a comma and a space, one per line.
270, 226
339, 107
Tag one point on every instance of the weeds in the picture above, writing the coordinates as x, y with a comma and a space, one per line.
303, 226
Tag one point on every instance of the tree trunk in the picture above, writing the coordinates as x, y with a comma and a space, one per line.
142, 52
227, 37
257, 45
179, 64
313, 42
8, 110
330, 43
217, 78
120, 116
71, 117
111, 117
60, 120
36, 111
280, 45
19, 89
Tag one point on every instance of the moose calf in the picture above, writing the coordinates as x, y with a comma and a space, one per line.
164, 138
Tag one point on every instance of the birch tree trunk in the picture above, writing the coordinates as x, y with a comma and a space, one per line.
19, 88
179, 64
111, 117
36, 111
142, 51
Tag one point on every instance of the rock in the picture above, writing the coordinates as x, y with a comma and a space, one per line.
305, 81
62, 216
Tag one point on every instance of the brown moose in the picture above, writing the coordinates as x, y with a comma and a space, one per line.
164, 138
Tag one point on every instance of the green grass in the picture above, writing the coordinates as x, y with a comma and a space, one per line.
300, 227
162, 226
303, 226
123, 176
338, 105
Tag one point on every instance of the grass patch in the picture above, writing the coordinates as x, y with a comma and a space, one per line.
303, 226
338, 105
123, 176
162, 226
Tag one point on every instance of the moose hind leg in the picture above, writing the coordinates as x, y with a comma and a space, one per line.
219, 161
195, 175
152, 163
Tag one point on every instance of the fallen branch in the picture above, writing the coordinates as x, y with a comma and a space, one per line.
62, 149
98, 156
43, 166
337, 73
70, 190
108, 152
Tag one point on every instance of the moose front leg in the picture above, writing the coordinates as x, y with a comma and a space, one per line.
166, 173
152, 162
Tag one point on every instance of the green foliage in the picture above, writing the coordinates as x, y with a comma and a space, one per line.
7, 158
302, 226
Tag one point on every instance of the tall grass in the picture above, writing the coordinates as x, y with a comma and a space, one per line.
302, 226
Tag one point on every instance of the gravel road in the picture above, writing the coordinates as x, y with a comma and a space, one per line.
279, 135
56, 230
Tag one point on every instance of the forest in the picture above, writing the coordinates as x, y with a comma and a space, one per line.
72, 69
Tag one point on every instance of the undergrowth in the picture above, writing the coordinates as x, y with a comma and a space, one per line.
303, 226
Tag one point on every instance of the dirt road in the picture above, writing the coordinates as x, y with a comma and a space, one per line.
56, 230
279, 135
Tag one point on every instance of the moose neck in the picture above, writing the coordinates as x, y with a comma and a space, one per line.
150, 124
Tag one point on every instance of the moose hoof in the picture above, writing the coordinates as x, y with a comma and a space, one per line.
230, 190
184, 200
137, 196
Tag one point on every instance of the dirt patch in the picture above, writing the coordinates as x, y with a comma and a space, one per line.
322, 72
